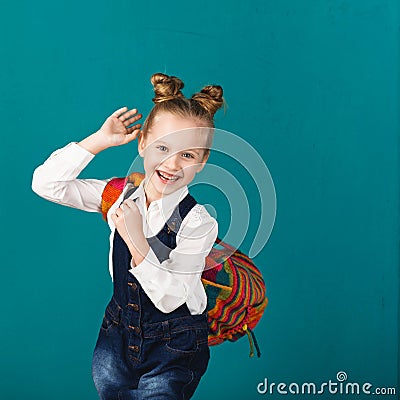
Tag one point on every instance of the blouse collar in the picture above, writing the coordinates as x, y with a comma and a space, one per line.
166, 204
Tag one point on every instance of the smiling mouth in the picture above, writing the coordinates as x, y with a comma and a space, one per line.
166, 177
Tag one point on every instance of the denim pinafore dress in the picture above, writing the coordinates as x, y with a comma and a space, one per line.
141, 352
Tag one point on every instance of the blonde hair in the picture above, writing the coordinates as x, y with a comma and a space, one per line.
169, 99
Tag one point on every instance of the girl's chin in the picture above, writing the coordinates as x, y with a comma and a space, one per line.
165, 188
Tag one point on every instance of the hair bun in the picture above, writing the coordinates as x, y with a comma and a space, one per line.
210, 98
166, 87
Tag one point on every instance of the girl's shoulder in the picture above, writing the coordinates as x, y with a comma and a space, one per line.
198, 216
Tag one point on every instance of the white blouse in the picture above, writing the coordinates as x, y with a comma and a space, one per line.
168, 284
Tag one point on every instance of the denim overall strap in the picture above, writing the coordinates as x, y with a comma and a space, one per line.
165, 240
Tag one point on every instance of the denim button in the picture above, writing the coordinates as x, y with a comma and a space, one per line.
135, 348
133, 285
135, 328
134, 306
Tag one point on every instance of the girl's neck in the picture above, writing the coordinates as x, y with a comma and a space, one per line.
147, 201
150, 197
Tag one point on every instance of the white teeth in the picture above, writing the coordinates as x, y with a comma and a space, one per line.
166, 177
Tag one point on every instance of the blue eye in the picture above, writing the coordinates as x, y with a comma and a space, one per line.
162, 148
188, 155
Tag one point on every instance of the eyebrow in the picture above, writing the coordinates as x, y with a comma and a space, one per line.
167, 144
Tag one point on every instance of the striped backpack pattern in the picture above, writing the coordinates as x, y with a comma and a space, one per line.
236, 292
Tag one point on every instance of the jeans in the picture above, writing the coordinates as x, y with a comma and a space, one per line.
158, 360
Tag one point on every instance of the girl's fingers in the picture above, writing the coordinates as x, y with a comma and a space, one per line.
129, 202
127, 114
130, 117
118, 210
119, 112
132, 135
134, 128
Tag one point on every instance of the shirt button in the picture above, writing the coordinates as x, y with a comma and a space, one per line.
135, 348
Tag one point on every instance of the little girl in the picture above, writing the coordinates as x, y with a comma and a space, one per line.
153, 340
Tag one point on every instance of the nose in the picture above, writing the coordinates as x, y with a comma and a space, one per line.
172, 163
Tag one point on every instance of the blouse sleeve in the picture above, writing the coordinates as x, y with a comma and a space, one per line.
169, 283
56, 179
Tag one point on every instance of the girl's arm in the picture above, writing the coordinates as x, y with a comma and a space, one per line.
168, 284
56, 179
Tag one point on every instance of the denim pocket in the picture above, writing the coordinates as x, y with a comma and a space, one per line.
107, 323
183, 341
111, 315
202, 336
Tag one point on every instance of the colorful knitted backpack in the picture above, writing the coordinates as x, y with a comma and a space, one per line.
236, 293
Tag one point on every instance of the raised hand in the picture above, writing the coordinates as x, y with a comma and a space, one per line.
116, 130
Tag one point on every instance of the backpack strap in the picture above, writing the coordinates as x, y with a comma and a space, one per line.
114, 188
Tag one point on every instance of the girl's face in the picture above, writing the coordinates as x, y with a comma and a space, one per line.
172, 153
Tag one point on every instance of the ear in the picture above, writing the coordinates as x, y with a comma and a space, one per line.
141, 145
203, 163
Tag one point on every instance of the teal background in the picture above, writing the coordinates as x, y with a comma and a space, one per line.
312, 85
